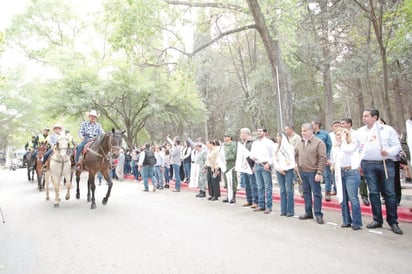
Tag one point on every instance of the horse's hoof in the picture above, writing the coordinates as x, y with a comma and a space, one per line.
93, 206
77, 196
67, 197
88, 200
104, 202
47, 198
56, 205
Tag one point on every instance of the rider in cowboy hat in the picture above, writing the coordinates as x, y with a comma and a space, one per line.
89, 129
52, 140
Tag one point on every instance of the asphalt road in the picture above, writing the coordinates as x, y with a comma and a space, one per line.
166, 232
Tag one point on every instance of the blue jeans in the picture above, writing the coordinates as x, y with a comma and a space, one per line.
46, 156
311, 186
287, 194
350, 186
176, 173
167, 174
374, 174
186, 167
264, 184
327, 178
135, 170
148, 172
79, 148
250, 187
158, 175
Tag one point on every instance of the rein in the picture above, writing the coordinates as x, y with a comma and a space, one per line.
105, 155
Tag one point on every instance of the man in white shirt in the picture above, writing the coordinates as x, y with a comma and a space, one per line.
379, 146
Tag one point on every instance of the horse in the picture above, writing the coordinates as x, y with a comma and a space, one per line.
98, 157
31, 164
60, 167
40, 153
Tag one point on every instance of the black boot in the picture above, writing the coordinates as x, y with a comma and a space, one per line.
225, 200
202, 194
233, 200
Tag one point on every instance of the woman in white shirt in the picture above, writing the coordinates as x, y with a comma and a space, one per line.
284, 163
345, 162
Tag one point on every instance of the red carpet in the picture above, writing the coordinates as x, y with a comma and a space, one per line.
404, 214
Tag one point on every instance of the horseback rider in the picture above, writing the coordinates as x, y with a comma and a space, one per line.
43, 138
52, 140
30, 146
69, 138
88, 130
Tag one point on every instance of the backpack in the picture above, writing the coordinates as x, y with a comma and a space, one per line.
149, 158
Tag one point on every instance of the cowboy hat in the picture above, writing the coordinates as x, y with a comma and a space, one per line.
93, 113
57, 126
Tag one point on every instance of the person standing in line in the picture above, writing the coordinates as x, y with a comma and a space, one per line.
229, 151
147, 161
166, 166
158, 167
175, 161
326, 176
187, 161
379, 145
310, 157
284, 163
213, 171
346, 123
294, 139
249, 179
262, 153
200, 160
345, 162
120, 165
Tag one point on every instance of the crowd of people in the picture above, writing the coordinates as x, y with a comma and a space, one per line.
349, 162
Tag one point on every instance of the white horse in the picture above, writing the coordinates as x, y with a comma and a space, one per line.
60, 167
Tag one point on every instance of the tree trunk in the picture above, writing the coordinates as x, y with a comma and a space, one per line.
278, 69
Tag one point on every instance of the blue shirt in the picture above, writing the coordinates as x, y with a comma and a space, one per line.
89, 130
325, 137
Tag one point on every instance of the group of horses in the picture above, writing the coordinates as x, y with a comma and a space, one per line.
97, 157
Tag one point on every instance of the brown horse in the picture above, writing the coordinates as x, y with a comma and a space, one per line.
40, 153
99, 158
31, 164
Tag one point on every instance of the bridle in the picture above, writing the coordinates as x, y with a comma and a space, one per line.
105, 155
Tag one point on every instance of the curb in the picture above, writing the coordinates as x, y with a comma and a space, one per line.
404, 213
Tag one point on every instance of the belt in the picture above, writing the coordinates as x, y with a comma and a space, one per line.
262, 164
376, 162
346, 168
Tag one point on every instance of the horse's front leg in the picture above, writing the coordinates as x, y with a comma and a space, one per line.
92, 186
109, 188
69, 186
56, 185
78, 184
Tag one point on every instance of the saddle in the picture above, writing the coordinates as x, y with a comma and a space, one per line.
79, 164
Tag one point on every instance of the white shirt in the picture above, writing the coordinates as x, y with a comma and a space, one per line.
370, 147
263, 151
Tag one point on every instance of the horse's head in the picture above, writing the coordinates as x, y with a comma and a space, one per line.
62, 145
41, 149
115, 142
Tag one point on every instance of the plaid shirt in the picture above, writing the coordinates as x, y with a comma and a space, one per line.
89, 130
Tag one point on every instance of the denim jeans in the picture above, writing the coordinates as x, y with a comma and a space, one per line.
311, 186
375, 177
328, 179
186, 167
80, 147
350, 186
250, 187
176, 173
135, 170
148, 172
287, 194
264, 184
159, 176
167, 174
